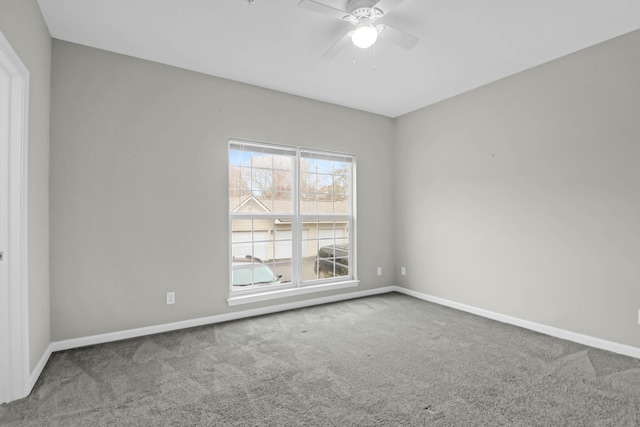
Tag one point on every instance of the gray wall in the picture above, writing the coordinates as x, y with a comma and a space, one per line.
22, 24
520, 197
139, 186
523, 197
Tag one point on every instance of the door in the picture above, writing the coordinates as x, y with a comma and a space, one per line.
5, 357
14, 337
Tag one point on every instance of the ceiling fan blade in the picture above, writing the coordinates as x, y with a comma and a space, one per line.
322, 8
398, 37
338, 46
386, 5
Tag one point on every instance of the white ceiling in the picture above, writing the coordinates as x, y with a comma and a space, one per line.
275, 44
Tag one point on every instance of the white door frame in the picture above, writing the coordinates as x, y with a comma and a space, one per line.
14, 326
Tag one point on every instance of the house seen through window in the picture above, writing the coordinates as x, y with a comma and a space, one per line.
290, 215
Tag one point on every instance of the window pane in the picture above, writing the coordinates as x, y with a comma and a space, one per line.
234, 179
242, 240
326, 249
261, 251
283, 163
308, 205
243, 202
234, 158
324, 186
282, 251
260, 181
307, 184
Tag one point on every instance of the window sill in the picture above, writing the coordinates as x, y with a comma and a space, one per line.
283, 293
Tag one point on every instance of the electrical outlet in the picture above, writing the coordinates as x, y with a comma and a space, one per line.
171, 297
379, 271
403, 271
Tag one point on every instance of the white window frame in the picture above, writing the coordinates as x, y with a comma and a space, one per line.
297, 285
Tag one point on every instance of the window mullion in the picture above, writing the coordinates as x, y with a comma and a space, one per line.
328, 217
296, 224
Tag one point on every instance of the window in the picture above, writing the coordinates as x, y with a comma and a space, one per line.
290, 218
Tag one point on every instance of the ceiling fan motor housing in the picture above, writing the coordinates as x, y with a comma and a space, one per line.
363, 9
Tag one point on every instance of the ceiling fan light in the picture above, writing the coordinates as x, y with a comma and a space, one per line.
365, 35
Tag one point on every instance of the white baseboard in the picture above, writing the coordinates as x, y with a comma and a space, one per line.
35, 374
149, 330
590, 341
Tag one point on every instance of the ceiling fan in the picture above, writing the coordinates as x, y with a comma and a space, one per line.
362, 14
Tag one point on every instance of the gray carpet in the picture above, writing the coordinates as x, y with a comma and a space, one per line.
383, 360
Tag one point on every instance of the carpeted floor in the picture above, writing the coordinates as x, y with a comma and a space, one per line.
383, 360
